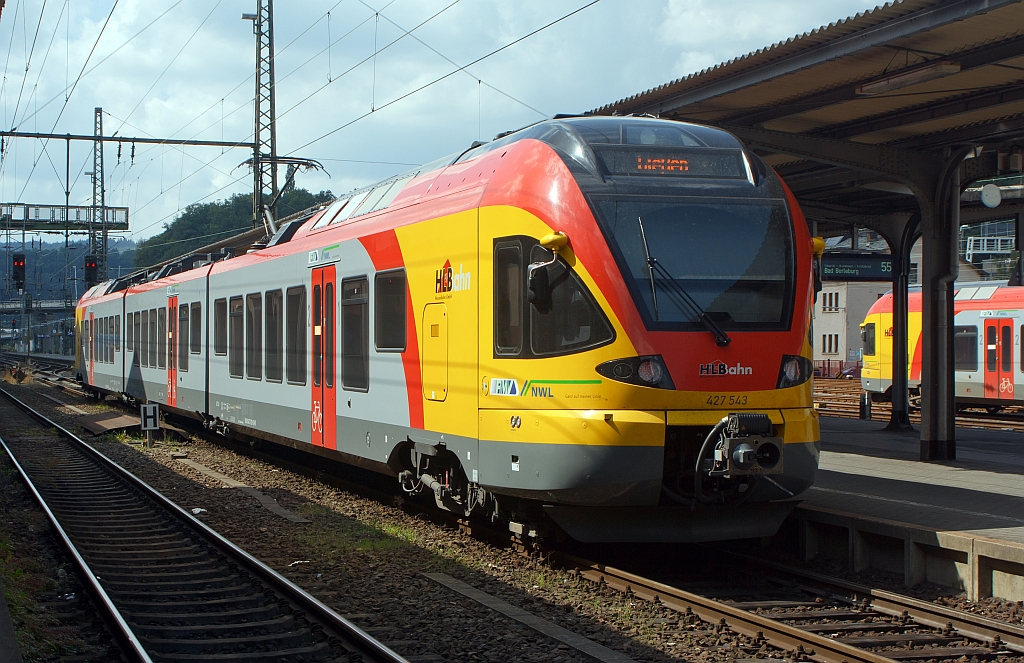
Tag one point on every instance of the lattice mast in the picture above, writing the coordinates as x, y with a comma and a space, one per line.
264, 164
98, 230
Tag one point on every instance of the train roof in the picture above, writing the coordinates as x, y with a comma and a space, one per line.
579, 140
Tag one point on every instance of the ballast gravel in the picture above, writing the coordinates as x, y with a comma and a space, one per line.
366, 560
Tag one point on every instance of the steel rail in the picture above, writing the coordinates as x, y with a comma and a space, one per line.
923, 612
776, 633
115, 621
349, 634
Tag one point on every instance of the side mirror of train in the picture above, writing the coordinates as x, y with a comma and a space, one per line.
539, 284
817, 249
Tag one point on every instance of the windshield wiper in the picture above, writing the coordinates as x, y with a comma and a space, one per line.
681, 296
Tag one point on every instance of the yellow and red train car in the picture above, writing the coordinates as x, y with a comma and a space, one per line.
988, 363
599, 323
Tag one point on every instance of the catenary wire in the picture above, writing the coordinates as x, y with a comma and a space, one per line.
448, 75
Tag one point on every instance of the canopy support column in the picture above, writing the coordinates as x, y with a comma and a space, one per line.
900, 417
940, 221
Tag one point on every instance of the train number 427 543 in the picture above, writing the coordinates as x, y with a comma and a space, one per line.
727, 399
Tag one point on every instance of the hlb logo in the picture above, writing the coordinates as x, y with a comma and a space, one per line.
446, 280
719, 368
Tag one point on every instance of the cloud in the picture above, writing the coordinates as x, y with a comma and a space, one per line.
611, 50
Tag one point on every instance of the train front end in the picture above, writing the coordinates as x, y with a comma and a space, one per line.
650, 378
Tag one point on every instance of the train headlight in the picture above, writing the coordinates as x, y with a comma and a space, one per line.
648, 371
794, 370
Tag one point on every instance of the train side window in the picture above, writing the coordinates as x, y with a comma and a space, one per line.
254, 336
151, 346
567, 319
355, 329
117, 333
296, 334
329, 341
129, 333
161, 337
145, 339
172, 337
196, 334
83, 338
220, 327
867, 336
275, 335
965, 348
183, 335
111, 332
318, 343
1007, 349
389, 311
990, 349
508, 299
236, 330
137, 323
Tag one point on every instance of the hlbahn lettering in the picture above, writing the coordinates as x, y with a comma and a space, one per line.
446, 280
719, 368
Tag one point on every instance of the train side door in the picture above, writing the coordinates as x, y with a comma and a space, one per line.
324, 357
435, 352
172, 350
90, 348
999, 358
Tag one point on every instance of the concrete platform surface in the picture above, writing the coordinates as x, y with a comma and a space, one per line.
875, 473
958, 523
9, 650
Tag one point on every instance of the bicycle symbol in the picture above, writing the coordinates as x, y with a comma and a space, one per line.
318, 418
1006, 386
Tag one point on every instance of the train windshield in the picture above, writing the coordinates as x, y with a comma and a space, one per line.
732, 257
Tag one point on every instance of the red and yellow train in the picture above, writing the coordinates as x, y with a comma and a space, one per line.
988, 363
598, 323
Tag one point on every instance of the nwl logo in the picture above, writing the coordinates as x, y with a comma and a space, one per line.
541, 392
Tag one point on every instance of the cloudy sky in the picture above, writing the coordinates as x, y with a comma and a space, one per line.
184, 69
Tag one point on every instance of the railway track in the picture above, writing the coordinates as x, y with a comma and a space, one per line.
804, 616
170, 588
841, 398
814, 617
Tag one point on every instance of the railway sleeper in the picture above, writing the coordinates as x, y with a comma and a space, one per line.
256, 627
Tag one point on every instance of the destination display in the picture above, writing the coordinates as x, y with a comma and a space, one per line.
672, 163
841, 266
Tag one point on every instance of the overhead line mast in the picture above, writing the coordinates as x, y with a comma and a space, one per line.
98, 221
264, 154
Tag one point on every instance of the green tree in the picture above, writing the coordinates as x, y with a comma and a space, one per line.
204, 223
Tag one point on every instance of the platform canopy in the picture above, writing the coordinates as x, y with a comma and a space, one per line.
882, 120
917, 76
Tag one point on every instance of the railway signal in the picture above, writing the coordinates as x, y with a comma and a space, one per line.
18, 271
90, 271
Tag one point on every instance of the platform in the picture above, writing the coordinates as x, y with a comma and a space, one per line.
958, 523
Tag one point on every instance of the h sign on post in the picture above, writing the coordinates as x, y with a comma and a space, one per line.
150, 421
